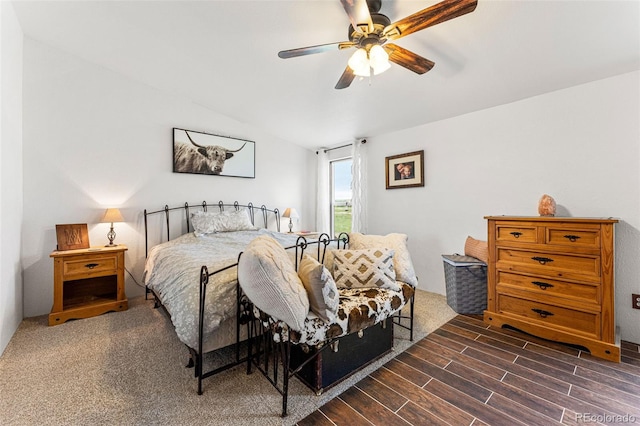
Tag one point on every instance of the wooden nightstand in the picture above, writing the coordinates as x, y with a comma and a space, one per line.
87, 282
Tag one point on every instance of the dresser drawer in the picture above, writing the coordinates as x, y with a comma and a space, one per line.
519, 233
588, 238
578, 321
93, 267
549, 264
589, 293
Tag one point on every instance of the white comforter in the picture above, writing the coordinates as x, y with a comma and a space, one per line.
172, 271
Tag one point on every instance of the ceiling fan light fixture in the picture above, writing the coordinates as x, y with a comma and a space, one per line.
369, 30
381, 68
359, 63
379, 59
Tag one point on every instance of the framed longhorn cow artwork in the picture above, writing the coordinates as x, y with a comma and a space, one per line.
209, 154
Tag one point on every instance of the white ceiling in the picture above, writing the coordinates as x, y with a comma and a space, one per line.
223, 55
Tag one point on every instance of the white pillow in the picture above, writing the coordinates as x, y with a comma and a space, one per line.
269, 279
225, 221
203, 222
398, 243
235, 220
367, 268
321, 288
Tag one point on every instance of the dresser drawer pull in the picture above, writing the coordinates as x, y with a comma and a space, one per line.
542, 284
542, 260
516, 234
572, 238
542, 313
91, 265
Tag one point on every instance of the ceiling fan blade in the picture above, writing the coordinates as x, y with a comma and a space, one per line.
408, 59
440, 12
345, 79
359, 15
302, 51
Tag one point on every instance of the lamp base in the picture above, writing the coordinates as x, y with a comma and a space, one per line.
111, 235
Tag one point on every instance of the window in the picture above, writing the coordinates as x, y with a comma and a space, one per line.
340, 196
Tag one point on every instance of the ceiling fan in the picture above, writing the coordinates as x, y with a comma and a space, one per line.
371, 31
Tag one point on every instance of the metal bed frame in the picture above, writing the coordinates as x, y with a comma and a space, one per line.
196, 356
204, 206
244, 314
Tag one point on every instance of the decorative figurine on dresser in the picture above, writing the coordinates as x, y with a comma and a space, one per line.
553, 277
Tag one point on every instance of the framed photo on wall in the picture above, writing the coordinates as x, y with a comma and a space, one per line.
405, 170
72, 237
208, 154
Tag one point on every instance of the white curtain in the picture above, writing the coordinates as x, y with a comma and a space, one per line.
323, 203
359, 187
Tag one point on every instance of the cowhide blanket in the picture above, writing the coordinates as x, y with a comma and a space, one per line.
358, 309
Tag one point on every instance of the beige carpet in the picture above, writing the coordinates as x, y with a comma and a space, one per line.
127, 368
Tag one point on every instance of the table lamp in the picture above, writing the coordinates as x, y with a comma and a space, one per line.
111, 216
291, 213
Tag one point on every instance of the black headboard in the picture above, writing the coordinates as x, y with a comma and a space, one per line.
185, 212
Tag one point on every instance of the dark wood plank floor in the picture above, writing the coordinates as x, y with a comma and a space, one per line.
466, 373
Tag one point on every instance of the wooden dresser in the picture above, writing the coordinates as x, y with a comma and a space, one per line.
553, 277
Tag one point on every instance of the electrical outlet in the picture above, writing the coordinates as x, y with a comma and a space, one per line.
636, 301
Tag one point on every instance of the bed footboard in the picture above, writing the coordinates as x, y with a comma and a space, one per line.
321, 352
244, 312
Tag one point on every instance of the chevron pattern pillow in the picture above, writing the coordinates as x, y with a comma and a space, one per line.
396, 242
367, 268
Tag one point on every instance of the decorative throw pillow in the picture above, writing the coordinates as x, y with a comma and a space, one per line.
321, 288
269, 279
204, 222
234, 220
368, 268
225, 221
398, 243
476, 248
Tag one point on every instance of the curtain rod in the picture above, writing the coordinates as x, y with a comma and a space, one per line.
341, 146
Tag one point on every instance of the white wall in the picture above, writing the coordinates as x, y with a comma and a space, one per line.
93, 139
10, 173
580, 145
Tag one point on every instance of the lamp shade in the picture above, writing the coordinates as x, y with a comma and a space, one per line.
379, 59
112, 215
290, 213
359, 63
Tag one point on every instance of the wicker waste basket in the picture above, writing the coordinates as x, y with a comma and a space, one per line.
466, 280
